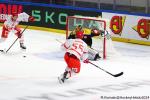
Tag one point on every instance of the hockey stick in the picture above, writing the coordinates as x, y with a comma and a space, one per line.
16, 39
114, 75
59, 41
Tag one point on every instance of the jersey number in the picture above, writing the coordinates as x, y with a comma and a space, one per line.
78, 46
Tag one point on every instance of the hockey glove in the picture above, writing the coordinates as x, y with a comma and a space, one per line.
86, 61
31, 19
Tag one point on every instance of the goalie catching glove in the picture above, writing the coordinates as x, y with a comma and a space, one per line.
105, 33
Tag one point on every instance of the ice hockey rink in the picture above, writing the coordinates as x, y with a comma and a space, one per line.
34, 77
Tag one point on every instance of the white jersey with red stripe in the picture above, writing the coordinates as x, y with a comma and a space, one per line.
12, 24
77, 47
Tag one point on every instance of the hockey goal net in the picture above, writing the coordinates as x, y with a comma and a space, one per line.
102, 43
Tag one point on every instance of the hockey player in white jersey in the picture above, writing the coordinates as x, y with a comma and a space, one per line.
76, 50
11, 25
93, 54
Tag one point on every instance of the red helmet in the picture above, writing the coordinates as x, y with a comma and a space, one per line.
79, 34
14, 14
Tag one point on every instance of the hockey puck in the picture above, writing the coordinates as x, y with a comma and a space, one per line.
24, 56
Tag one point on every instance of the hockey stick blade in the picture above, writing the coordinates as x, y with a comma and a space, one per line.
1, 50
114, 75
119, 74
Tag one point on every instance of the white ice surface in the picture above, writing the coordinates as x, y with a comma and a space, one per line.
34, 77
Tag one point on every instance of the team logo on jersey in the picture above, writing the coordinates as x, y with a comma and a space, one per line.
117, 24
143, 28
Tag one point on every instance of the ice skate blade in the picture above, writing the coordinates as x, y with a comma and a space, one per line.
60, 81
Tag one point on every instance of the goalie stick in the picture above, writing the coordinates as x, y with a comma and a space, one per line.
114, 75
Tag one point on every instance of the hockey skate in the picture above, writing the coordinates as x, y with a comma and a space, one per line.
22, 46
62, 78
97, 57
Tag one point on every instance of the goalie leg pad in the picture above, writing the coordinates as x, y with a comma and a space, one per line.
93, 55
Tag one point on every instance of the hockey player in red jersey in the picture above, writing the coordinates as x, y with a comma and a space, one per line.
11, 25
76, 49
